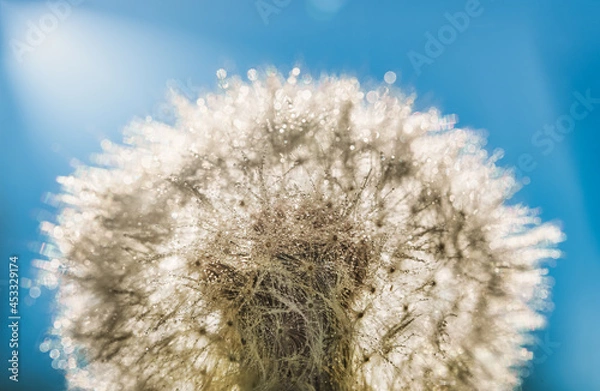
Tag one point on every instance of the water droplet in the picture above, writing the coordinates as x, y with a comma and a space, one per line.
221, 74
372, 96
45, 346
252, 74
35, 292
389, 77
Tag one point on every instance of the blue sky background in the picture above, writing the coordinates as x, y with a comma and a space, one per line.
512, 71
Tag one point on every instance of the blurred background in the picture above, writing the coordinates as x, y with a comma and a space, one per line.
75, 72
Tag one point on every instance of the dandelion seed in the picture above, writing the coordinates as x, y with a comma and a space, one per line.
285, 246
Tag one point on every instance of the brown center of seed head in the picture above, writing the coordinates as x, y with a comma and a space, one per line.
292, 308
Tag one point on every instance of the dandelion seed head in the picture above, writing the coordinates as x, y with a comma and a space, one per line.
300, 232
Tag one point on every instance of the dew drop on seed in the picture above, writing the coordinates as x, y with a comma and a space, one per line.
221, 74
389, 77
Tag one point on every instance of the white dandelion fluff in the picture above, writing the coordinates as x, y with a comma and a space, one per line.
290, 234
